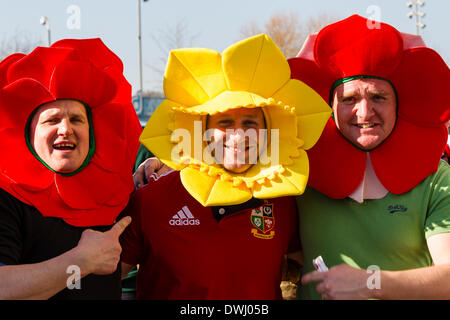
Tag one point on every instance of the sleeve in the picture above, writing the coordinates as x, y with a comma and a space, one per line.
132, 239
295, 244
11, 241
438, 216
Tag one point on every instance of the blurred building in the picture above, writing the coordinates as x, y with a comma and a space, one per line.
149, 104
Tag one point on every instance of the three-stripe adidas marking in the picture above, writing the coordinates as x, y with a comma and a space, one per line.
184, 217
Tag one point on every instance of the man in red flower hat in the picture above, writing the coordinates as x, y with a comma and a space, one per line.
377, 209
68, 141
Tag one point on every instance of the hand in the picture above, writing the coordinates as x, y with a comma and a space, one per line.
146, 169
99, 252
341, 282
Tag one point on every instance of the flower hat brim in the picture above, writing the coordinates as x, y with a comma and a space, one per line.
420, 78
251, 73
86, 71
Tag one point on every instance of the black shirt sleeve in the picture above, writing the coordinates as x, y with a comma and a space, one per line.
10, 229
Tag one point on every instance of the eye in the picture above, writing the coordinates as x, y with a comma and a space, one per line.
225, 123
349, 100
378, 98
51, 121
250, 123
79, 120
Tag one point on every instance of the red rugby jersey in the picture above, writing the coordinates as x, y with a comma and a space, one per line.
184, 252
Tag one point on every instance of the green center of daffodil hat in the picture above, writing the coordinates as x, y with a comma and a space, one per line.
251, 73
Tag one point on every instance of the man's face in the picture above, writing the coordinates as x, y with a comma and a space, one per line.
237, 131
365, 111
60, 134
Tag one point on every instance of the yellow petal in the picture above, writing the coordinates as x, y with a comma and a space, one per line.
193, 76
229, 100
190, 128
283, 120
223, 193
291, 182
310, 127
162, 149
257, 65
164, 143
156, 135
157, 125
312, 111
298, 173
211, 191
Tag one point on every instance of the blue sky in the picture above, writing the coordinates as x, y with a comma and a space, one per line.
215, 24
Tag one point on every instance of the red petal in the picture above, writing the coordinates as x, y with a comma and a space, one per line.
93, 50
336, 166
19, 164
422, 82
39, 64
5, 64
308, 72
110, 136
409, 155
16, 106
353, 47
82, 81
92, 187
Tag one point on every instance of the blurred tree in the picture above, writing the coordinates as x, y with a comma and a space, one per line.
288, 31
171, 37
20, 41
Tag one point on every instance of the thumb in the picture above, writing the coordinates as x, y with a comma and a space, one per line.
120, 226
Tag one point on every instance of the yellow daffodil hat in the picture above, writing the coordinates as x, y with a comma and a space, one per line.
250, 73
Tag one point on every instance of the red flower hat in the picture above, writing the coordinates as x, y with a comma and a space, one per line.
352, 48
83, 70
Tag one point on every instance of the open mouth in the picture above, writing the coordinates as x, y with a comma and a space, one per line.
64, 146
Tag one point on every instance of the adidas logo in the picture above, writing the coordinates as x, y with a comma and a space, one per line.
184, 217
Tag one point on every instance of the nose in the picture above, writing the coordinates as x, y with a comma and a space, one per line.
364, 109
240, 135
65, 128
234, 136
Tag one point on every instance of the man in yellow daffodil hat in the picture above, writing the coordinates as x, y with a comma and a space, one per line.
235, 128
252, 73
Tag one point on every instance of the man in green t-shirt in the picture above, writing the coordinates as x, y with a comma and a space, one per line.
377, 206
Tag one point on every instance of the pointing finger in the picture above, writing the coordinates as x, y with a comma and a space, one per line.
120, 226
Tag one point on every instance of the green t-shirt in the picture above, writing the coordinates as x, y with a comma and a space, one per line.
389, 233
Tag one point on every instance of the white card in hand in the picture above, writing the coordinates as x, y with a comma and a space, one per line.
319, 264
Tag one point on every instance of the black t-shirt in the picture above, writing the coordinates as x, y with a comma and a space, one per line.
27, 237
